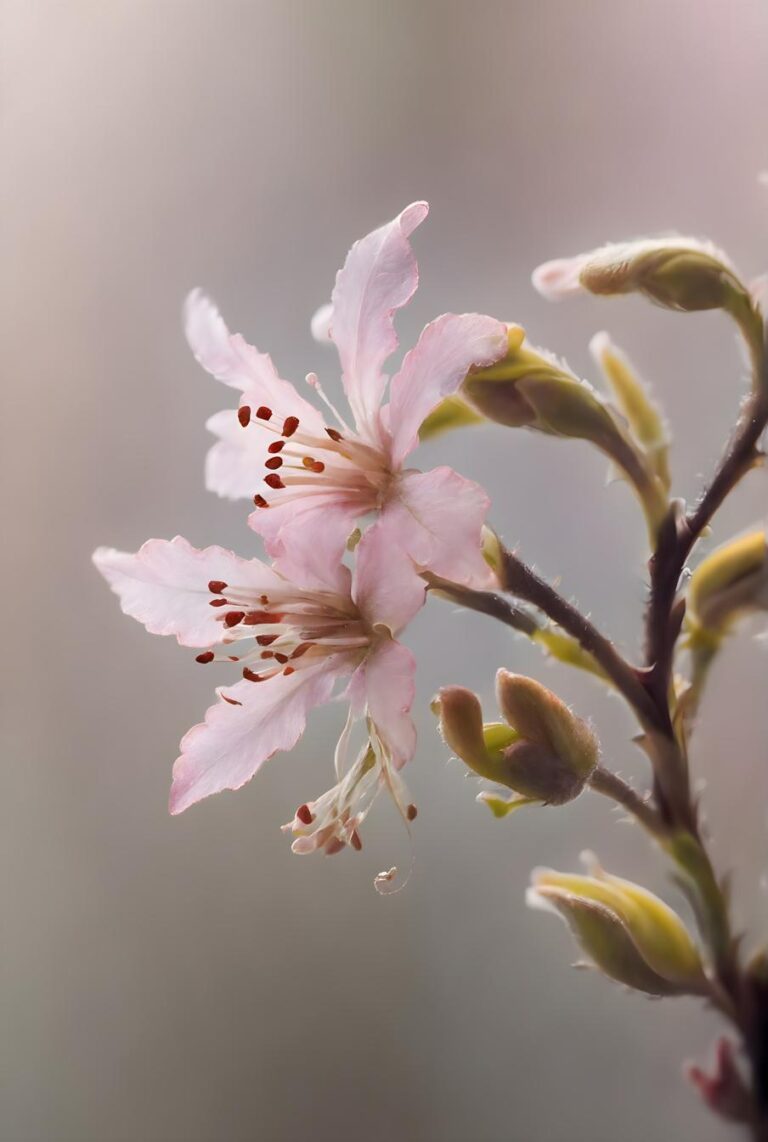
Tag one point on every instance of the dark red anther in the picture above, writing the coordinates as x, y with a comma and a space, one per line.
218, 603
274, 480
265, 654
232, 701
206, 656
318, 466
290, 425
250, 675
217, 587
355, 841
253, 618
264, 413
334, 435
305, 815
281, 658
273, 462
260, 502
233, 618
276, 446
288, 669
244, 415
302, 648
265, 639
411, 812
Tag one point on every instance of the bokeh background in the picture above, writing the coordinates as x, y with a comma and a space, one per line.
189, 978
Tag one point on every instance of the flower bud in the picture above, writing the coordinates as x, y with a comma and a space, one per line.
452, 412
547, 756
678, 273
643, 416
732, 581
629, 933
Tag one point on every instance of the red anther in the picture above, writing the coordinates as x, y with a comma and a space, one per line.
263, 412
290, 425
281, 658
265, 639
263, 599
276, 446
334, 435
244, 415
206, 656
260, 502
318, 466
267, 654
288, 669
411, 812
250, 675
335, 845
273, 463
355, 841
308, 462
232, 701
253, 618
218, 603
274, 480
233, 618
302, 648
233, 657
217, 587
305, 815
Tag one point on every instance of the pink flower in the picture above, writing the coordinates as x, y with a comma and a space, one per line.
310, 475
295, 629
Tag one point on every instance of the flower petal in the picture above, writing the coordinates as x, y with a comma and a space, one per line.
321, 323
386, 586
330, 515
437, 517
389, 675
309, 550
379, 276
560, 278
229, 358
446, 350
228, 748
165, 585
234, 466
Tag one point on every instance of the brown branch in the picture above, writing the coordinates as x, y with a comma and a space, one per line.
611, 785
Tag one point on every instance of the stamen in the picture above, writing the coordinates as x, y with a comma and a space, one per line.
244, 415
334, 435
264, 413
266, 639
290, 425
206, 656
281, 658
273, 463
355, 841
276, 446
260, 502
232, 701
250, 676
274, 481
302, 648
218, 603
411, 812
288, 669
305, 815
254, 618
233, 618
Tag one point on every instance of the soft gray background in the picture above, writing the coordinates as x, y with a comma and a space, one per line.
189, 978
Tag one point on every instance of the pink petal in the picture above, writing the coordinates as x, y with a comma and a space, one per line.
330, 515
434, 369
229, 358
309, 549
437, 518
389, 675
165, 585
379, 276
560, 278
386, 586
321, 323
228, 748
234, 466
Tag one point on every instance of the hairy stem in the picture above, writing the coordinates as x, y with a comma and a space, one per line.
611, 785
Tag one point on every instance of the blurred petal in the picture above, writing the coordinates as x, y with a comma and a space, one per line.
434, 369
165, 585
379, 276
389, 678
234, 466
228, 748
321, 323
559, 278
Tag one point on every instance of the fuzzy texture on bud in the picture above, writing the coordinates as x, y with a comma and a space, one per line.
629, 933
731, 582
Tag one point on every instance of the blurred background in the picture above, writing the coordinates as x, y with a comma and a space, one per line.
189, 978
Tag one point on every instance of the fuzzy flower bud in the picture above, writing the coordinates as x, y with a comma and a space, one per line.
732, 581
630, 934
544, 753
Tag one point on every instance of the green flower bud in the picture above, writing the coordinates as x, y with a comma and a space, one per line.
732, 581
547, 756
629, 933
452, 412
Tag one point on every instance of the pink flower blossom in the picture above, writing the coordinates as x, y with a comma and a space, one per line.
312, 475
295, 629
